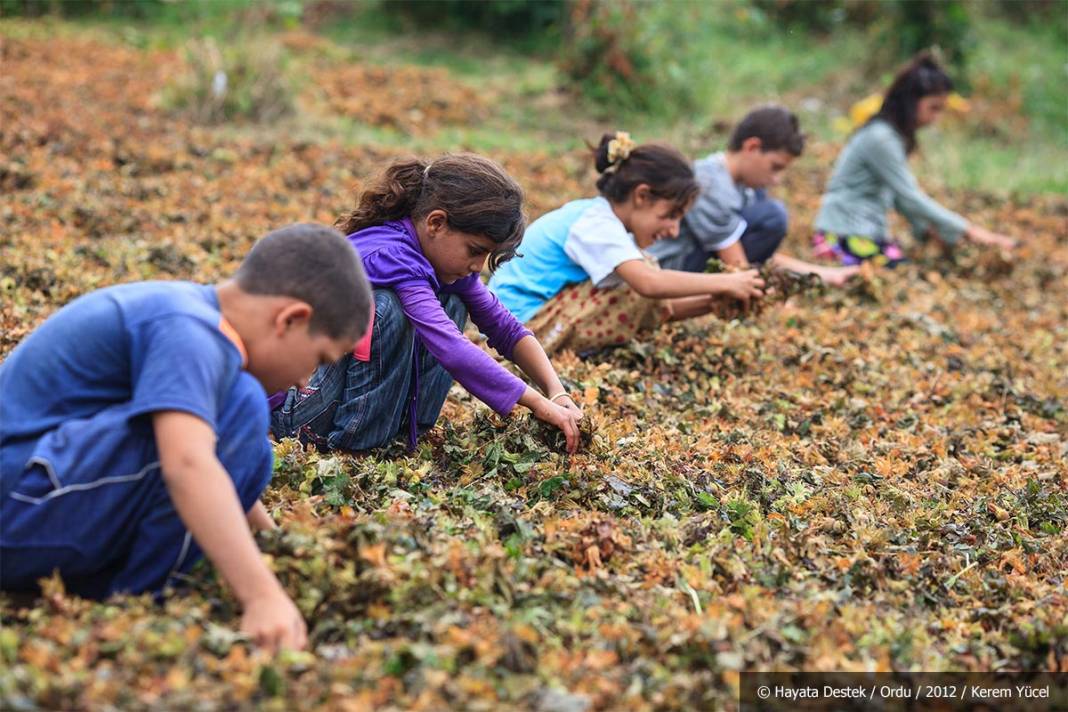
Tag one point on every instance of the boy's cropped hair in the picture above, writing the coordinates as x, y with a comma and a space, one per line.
776, 126
315, 264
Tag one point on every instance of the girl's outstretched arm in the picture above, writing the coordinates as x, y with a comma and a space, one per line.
988, 238
668, 284
531, 358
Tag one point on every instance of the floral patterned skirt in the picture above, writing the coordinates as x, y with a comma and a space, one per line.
583, 318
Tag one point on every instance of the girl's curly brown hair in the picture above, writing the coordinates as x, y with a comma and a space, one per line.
476, 194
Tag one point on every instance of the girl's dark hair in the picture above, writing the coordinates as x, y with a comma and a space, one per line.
921, 77
478, 198
666, 171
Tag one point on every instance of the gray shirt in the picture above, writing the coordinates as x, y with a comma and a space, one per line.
715, 221
871, 176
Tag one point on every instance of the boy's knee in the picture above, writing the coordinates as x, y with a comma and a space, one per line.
776, 218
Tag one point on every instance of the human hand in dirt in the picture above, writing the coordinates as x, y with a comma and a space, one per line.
273, 621
564, 417
836, 276
987, 238
744, 285
566, 401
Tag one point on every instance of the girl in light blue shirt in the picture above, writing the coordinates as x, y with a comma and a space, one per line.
582, 279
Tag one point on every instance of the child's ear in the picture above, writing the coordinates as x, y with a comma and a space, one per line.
752, 144
294, 314
642, 195
436, 220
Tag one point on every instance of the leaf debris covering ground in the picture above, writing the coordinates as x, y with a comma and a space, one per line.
873, 478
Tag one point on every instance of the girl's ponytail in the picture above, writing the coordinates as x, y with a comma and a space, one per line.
624, 166
392, 196
476, 194
922, 76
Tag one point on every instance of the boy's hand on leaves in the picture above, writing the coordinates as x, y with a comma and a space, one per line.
273, 621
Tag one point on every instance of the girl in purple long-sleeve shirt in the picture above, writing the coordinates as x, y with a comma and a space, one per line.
424, 232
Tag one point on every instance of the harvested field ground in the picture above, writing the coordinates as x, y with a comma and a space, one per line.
868, 479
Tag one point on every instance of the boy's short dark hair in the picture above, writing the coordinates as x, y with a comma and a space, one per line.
315, 264
776, 127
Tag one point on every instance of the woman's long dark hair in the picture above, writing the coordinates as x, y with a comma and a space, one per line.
477, 195
921, 77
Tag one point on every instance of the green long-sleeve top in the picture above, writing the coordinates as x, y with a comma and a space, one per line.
871, 176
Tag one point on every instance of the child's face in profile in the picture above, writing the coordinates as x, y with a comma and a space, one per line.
655, 219
763, 169
290, 353
929, 108
454, 254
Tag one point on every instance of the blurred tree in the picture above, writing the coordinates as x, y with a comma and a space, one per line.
900, 28
622, 57
506, 17
72, 8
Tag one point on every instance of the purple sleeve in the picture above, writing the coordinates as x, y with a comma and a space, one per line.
499, 325
475, 370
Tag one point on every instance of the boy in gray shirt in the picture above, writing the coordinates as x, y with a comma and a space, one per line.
733, 218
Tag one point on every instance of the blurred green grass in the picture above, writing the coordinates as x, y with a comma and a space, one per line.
717, 60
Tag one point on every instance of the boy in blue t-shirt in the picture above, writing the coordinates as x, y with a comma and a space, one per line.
133, 424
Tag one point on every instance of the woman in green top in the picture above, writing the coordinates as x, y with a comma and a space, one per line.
872, 175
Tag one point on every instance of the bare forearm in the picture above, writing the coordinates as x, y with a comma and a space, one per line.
671, 284
786, 263
207, 503
531, 358
733, 256
689, 307
259, 519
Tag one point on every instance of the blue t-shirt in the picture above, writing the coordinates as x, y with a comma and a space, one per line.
582, 240
144, 347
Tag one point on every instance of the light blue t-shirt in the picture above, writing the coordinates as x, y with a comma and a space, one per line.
140, 348
582, 240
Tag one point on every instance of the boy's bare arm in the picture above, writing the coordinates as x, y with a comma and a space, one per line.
733, 255
207, 503
259, 519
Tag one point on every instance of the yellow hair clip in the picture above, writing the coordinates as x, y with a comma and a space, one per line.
619, 150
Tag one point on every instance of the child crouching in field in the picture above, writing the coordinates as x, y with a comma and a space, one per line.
584, 282
872, 175
425, 231
733, 218
133, 427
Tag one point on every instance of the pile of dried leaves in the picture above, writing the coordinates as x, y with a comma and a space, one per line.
870, 478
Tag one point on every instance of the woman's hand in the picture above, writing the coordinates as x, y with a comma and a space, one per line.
566, 417
982, 236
